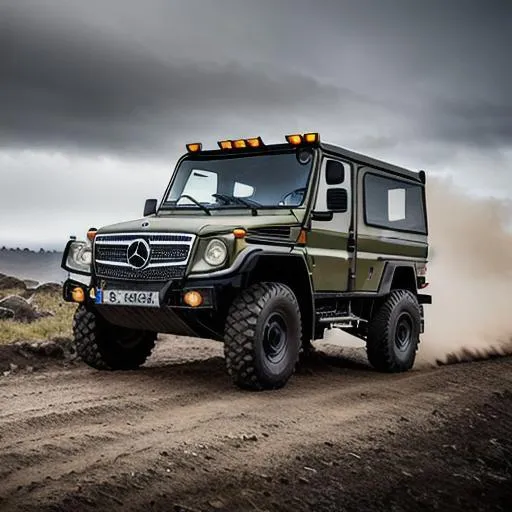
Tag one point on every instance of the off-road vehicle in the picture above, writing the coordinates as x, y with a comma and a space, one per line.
260, 247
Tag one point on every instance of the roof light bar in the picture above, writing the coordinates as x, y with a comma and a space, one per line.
194, 147
254, 142
297, 139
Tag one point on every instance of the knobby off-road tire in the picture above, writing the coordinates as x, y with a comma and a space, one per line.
394, 333
108, 347
263, 337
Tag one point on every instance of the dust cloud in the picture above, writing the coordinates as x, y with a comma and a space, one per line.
470, 276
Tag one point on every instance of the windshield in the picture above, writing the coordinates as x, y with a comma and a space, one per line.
254, 181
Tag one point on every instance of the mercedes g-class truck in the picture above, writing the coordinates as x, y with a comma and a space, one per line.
260, 247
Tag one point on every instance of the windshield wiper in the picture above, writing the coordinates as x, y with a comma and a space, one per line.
238, 200
195, 201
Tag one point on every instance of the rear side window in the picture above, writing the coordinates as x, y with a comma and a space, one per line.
394, 204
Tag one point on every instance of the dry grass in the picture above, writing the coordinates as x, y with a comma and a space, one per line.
44, 328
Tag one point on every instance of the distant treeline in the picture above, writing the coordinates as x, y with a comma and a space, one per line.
42, 266
17, 249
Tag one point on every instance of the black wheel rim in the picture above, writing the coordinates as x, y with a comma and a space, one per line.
275, 335
403, 332
125, 339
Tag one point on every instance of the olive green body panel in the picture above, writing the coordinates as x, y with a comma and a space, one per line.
197, 222
327, 240
369, 275
375, 245
328, 260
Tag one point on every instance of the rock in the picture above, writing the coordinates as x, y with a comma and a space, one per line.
13, 367
8, 283
216, 504
49, 288
23, 311
30, 284
52, 349
6, 314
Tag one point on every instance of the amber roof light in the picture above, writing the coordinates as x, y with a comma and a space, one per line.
194, 147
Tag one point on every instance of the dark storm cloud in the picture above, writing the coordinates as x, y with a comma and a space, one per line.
59, 92
123, 77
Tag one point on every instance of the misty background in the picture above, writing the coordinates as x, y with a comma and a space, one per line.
98, 99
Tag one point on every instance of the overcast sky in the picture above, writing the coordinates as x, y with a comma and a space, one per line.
98, 98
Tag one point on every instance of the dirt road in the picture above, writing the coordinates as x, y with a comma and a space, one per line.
176, 435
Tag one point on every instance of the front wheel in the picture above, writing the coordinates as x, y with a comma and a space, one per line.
263, 336
105, 346
394, 332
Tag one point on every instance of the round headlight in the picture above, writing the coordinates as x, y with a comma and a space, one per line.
86, 256
215, 253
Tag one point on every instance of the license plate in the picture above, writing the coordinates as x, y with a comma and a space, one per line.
128, 298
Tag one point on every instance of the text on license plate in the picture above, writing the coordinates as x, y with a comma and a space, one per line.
127, 298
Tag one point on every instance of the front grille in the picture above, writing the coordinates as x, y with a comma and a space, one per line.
167, 259
159, 253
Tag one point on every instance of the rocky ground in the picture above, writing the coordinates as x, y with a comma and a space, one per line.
177, 436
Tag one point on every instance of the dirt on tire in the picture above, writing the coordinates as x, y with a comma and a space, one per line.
177, 435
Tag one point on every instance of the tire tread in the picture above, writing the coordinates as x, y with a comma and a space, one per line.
240, 330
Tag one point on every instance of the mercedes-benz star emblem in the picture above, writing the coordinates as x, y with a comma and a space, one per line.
137, 253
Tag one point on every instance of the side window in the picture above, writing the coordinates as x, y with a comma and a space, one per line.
334, 183
393, 204
242, 190
200, 185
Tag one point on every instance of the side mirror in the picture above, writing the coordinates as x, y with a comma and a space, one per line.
337, 200
334, 173
150, 207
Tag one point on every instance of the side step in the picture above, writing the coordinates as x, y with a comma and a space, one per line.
339, 320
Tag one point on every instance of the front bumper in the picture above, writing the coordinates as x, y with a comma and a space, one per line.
173, 316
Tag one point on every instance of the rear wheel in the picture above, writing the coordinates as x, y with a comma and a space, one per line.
263, 336
393, 333
108, 347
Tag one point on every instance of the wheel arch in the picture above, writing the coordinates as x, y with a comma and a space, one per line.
290, 270
398, 275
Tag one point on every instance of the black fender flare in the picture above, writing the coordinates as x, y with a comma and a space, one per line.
253, 259
389, 273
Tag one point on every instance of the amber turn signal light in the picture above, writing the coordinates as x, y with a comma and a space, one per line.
302, 238
239, 233
91, 234
193, 299
194, 147
78, 294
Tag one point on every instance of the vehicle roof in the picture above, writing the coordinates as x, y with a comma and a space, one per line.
369, 161
331, 149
